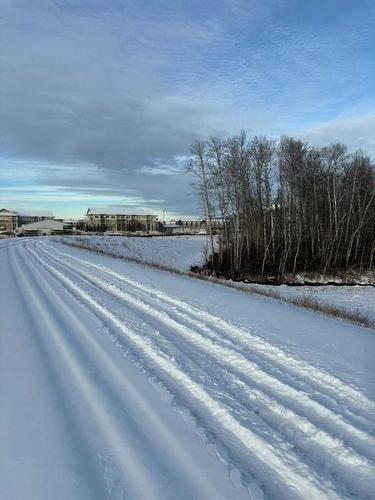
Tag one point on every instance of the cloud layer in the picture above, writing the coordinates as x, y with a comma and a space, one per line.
106, 96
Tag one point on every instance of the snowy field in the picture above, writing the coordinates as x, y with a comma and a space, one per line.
119, 381
175, 252
181, 252
355, 299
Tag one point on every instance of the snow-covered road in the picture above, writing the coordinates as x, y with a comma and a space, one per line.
102, 363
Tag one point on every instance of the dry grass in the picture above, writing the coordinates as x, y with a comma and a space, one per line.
354, 316
305, 302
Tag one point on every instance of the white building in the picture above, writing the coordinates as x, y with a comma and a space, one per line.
28, 216
120, 219
173, 229
42, 228
8, 221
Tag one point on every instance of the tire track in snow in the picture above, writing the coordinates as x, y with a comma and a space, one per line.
104, 363
281, 476
250, 373
348, 467
279, 365
358, 404
95, 402
75, 434
10, 244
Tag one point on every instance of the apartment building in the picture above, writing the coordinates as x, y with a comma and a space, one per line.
120, 219
8, 221
197, 225
30, 216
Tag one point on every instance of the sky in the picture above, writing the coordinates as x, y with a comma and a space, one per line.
101, 99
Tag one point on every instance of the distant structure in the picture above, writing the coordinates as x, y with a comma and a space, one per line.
42, 228
8, 221
73, 224
192, 226
11, 220
173, 229
120, 219
29, 216
112, 220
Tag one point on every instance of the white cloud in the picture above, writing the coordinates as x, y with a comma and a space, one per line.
108, 92
357, 132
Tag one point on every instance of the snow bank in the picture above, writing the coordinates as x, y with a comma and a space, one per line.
356, 299
175, 252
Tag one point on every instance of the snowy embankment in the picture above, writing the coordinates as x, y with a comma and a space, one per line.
174, 252
182, 252
355, 299
285, 396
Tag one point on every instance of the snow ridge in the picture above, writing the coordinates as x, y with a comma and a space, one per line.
252, 396
319, 379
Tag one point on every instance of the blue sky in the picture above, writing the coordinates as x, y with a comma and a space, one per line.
100, 100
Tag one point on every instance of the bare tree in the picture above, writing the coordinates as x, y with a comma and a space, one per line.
200, 167
285, 206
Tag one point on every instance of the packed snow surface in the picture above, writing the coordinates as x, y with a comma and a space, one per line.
120, 381
176, 252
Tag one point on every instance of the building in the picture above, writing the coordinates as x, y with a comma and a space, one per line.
73, 224
29, 216
200, 225
173, 229
120, 219
191, 226
8, 221
42, 228
11, 220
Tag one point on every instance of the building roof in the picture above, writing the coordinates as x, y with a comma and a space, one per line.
44, 224
5, 211
188, 219
118, 210
35, 213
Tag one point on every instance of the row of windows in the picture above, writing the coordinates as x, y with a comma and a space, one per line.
125, 216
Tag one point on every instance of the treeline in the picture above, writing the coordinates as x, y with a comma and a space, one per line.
285, 206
